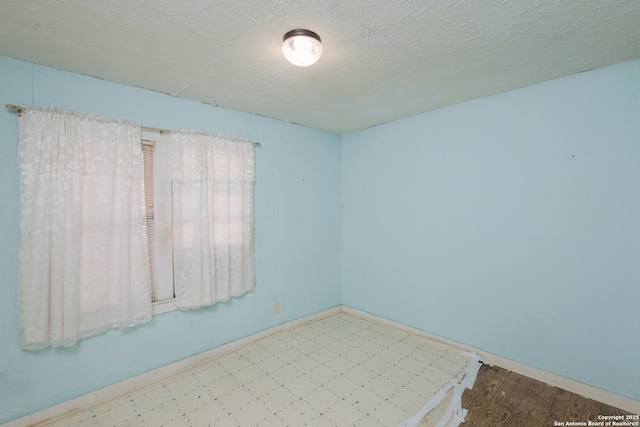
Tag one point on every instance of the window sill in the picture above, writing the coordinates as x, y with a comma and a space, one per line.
165, 306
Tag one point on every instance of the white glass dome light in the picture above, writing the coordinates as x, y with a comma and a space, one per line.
302, 47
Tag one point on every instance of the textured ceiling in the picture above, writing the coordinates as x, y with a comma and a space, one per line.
382, 59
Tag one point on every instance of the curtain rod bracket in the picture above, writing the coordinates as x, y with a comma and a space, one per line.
17, 108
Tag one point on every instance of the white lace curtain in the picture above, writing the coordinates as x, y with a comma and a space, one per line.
212, 178
83, 263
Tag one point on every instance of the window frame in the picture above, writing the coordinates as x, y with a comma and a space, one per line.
163, 288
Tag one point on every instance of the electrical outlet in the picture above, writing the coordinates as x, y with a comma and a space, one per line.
276, 308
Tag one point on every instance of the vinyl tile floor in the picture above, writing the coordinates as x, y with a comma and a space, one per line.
337, 371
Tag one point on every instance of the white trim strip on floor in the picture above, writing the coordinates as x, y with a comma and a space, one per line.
455, 412
461, 382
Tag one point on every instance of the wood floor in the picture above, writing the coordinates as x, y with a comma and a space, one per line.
503, 398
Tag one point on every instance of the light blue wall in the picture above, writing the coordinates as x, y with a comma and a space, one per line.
510, 223
297, 224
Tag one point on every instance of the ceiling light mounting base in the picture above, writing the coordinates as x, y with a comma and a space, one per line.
302, 47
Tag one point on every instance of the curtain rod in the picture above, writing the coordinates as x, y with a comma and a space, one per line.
20, 109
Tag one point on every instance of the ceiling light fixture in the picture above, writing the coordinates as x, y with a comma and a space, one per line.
302, 47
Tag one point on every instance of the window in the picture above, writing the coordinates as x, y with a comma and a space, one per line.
114, 222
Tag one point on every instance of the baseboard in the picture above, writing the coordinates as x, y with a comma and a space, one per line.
588, 391
127, 386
